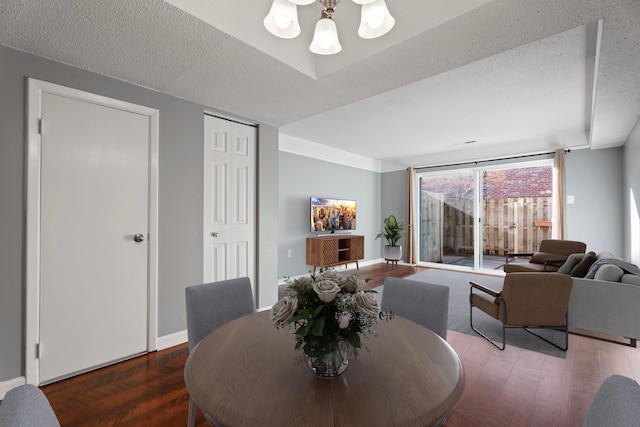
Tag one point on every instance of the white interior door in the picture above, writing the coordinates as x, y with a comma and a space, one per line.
229, 200
94, 271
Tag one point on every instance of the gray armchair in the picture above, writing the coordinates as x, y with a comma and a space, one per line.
27, 406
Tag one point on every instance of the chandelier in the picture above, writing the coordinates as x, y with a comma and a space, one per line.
282, 21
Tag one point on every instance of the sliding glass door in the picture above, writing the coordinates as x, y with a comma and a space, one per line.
447, 218
471, 218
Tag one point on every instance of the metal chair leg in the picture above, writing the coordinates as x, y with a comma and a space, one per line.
564, 328
503, 308
191, 421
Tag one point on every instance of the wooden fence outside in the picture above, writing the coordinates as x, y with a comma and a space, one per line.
510, 225
516, 224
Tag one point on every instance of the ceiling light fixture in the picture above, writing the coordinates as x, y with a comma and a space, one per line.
282, 21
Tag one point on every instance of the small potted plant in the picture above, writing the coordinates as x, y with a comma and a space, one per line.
392, 233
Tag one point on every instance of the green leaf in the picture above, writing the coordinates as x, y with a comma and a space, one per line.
304, 330
298, 317
318, 310
356, 342
318, 327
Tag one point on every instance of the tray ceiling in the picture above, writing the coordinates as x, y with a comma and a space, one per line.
516, 76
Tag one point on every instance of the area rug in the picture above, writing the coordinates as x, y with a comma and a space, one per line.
458, 283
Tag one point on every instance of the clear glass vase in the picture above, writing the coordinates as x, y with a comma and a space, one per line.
329, 365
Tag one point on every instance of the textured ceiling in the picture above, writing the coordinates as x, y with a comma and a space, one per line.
516, 76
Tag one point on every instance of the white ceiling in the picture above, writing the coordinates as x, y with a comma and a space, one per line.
516, 76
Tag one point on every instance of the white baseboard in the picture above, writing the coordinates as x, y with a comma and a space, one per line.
171, 340
371, 262
5, 386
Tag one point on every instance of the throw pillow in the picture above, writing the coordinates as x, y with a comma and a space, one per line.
571, 262
581, 269
609, 272
630, 279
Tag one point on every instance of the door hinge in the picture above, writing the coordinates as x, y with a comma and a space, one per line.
37, 350
39, 126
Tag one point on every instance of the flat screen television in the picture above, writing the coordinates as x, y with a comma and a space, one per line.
332, 214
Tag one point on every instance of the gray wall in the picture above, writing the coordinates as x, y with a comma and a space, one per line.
394, 199
302, 177
595, 179
632, 195
180, 195
285, 183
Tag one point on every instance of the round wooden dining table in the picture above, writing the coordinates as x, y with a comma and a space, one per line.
246, 374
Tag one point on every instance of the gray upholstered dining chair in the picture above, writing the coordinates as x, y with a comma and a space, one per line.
27, 406
423, 303
616, 403
210, 306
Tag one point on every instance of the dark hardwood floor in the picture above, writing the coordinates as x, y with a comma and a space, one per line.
514, 387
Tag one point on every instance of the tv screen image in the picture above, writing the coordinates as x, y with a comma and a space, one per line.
332, 214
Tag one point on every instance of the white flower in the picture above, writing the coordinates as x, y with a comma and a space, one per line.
326, 290
344, 319
367, 304
332, 275
283, 310
350, 284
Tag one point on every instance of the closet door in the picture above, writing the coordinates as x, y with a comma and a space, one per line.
229, 200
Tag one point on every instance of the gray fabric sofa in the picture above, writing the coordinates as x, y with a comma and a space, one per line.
602, 306
617, 403
27, 406
607, 299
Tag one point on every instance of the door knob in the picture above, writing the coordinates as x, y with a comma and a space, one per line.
138, 237
214, 234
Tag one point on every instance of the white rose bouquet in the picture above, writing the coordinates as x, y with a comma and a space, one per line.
329, 312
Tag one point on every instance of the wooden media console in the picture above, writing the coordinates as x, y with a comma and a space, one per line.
327, 251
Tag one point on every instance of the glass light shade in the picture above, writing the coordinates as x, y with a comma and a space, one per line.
325, 38
302, 2
375, 20
363, 1
282, 20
